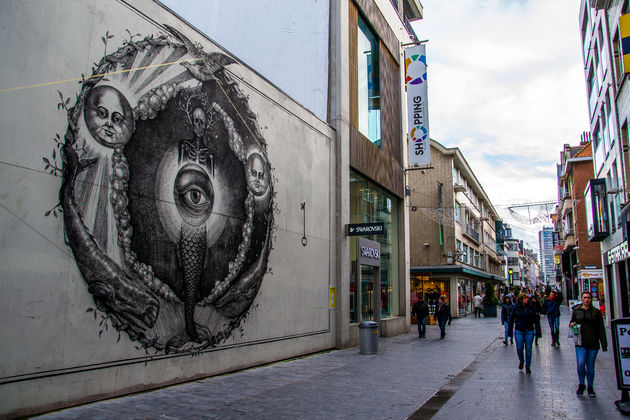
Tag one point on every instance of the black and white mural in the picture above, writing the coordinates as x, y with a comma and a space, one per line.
167, 192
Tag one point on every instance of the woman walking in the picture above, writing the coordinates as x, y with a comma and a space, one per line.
443, 315
592, 332
523, 325
506, 307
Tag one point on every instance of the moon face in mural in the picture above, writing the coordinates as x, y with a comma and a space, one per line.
257, 174
187, 210
108, 116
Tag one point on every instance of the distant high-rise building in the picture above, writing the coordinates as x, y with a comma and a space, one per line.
547, 265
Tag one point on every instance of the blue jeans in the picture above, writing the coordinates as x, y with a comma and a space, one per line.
422, 326
506, 326
524, 339
554, 326
586, 364
442, 325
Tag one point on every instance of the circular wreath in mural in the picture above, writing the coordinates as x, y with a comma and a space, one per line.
167, 193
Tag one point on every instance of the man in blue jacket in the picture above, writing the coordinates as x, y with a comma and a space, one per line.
551, 308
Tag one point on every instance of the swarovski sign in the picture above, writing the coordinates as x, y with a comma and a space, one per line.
369, 252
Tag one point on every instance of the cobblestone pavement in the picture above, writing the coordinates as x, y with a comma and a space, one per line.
470, 374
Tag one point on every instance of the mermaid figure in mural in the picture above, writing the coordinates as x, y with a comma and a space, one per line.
194, 198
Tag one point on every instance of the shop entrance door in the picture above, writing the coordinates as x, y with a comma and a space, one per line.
369, 279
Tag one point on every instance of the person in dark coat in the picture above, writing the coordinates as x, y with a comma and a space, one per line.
523, 326
506, 307
535, 304
421, 311
592, 331
551, 308
443, 315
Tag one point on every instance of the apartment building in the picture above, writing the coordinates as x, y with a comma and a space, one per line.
608, 95
452, 225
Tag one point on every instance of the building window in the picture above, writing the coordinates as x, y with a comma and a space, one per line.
370, 203
465, 256
369, 99
458, 212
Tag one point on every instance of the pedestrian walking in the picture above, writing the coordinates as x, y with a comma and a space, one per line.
590, 324
535, 304
522, 326
551, 308
421, 311
506, 308
443, 315
477, 305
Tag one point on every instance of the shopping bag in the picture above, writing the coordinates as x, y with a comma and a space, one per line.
577, 337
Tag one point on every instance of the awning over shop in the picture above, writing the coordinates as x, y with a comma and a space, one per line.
456, 269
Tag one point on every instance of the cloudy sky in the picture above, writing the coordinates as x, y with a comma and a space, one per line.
506, 86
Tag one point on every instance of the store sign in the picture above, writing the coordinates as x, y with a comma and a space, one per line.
621, 351
358, 229
624, 29
369, 252
618, 253
418, 140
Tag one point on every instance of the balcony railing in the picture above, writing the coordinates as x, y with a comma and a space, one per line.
472, 233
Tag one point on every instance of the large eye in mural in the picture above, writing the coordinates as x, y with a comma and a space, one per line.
108, 116
194, 195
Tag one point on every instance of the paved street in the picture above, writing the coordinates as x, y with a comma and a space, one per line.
470, 374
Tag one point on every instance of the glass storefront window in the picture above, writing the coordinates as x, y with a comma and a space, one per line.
370, 203
430, 291
464, 297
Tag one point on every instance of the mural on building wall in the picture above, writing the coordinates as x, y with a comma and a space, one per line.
167, 195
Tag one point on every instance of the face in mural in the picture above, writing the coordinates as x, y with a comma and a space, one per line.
193, 236
257, 174
108, 116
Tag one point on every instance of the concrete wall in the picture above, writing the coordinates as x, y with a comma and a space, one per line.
149, 216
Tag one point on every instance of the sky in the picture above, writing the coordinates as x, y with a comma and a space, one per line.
506, 86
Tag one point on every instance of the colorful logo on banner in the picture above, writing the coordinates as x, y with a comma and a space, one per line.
418, 141
408, 62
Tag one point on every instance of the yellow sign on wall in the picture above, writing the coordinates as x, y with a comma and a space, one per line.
556, 259
332, 297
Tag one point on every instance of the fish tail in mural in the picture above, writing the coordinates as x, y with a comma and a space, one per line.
167, 193
192, 248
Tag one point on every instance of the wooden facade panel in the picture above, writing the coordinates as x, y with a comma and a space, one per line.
353, 25
390, 105
369, 160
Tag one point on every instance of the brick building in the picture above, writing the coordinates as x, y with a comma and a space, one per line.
580, 259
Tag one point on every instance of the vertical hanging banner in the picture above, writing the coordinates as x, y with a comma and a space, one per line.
417, 111
624, 29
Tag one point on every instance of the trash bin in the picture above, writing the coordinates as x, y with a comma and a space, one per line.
368, 337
